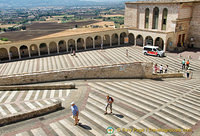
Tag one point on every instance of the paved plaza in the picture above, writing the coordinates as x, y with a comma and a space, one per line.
142, 105
88, 59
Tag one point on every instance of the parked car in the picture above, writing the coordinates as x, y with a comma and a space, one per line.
153, 50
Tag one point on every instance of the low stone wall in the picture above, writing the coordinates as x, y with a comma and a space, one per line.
38, 87
167, 75
126, 70
30, 114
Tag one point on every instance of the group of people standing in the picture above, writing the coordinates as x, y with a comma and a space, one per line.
186, 66
160, 69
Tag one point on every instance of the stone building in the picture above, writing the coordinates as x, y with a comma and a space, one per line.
171, 24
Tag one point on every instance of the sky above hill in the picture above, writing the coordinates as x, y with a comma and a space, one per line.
35, 3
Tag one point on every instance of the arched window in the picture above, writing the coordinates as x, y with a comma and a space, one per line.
155, 18
164, 19
146, 18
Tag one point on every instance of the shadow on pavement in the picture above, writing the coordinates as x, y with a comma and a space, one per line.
118, 115
85, 126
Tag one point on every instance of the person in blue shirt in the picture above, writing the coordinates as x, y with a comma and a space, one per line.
75, 113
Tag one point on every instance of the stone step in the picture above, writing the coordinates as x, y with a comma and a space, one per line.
173, 120
124, 98
116, 107
153, 104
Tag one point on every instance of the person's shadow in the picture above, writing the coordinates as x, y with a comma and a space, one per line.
85, 126
118, 115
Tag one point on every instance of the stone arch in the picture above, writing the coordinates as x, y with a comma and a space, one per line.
131, 39
24, 51
122, 36
52, 47
146, 20
34, 50
164, 19
14, 54
62, 46
114, 39
169, 44
155, 18
3, 54
149, 40
139, 40
97, 42
89, 42
71, 44
43, 49
80, 44
159, 42
106, 40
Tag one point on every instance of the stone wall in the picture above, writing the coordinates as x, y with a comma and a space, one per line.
30, 114
195, 25
130, 19
135, 15
128, 70
38, 87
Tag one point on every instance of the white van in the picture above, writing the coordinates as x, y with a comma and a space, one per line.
153, 50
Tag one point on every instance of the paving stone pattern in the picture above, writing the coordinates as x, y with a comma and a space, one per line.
88, 59
137, 104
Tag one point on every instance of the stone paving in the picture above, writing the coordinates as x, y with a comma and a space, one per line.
88, 59
139, 105
13, 102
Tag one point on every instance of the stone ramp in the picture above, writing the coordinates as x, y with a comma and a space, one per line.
16, 102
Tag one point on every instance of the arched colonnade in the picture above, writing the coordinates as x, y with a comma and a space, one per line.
80, 44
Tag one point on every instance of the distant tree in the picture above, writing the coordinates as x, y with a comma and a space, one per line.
65, 17
23, 27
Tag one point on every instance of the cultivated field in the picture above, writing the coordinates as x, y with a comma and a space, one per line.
41, 29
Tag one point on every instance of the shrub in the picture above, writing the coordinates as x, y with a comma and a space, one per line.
4, 39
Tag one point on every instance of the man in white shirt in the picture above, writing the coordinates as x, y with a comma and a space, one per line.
161, 69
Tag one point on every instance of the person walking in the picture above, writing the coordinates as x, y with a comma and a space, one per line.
126, 52
183, 64
188, 72
187, 64
75, 113
74, 53
161, 69
155, 68
101, 46
110, 100
166, 68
